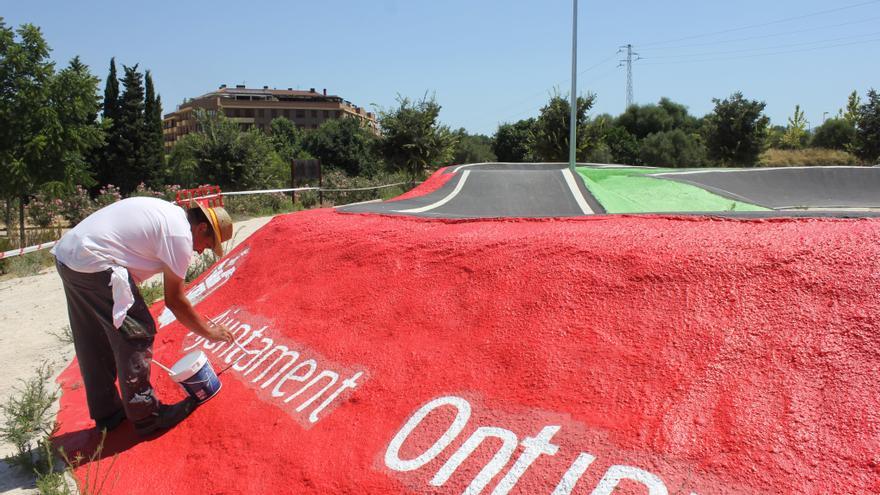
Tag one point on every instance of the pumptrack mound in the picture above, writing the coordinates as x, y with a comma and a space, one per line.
594, 355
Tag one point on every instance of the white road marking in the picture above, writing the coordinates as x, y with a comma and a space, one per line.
448, 198
576, 192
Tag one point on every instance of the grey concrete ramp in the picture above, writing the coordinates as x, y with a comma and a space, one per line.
791, 187
493, 190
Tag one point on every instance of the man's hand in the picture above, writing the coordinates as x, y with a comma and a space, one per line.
176, 301
218, 333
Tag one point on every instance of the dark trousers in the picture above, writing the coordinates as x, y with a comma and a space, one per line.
105, 352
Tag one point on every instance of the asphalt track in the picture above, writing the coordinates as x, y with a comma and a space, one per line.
546, 190
791, 187
495, 190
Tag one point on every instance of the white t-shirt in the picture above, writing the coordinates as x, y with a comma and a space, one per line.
142, 235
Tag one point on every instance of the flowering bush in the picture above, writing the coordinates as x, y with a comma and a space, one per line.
77, 206
107, 195
43, 209
168, 192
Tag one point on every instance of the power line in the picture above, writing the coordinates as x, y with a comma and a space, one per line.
769, 23
772, 35
775, 47
544, 91
763, 54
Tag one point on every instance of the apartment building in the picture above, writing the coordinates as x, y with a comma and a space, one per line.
258, 107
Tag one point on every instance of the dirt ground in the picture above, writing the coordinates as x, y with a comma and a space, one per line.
33, 313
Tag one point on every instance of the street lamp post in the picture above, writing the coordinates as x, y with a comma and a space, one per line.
572, 136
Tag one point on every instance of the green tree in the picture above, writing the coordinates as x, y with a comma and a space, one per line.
851, 113
412, 137
736, 130
75, 133
221, 153
867, 140
131, 165
154, 146
343, 143
511, 142
835, 134
111, 93
675, 148
108, 158
643, 120
287, 139
624, 147
46, 120
796, 132
549, 139
472, 148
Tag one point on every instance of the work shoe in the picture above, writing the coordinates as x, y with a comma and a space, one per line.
165, 417
110, 422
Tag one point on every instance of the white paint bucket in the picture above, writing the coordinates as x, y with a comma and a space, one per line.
196, 375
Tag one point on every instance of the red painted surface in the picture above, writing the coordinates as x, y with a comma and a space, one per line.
721, 356
434, 182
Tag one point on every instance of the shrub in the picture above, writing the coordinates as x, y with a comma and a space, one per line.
256, 205
76, 206
674, 148
806, 158
26, 417
107, 195
837, 134
43, 209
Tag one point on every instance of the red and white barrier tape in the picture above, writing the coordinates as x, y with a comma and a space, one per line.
29, 249
47, 245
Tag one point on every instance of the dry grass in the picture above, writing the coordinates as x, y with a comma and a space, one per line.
806, 157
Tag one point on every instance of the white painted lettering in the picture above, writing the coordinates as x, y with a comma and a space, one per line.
392, 454
616, 474
332, 375
533, 447
347, 383
293, 375
499, 460
574, 473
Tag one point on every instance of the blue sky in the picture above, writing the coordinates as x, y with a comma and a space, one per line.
487, 61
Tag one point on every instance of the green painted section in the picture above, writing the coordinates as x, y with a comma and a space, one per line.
627, 190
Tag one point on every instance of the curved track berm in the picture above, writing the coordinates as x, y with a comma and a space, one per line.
584, 355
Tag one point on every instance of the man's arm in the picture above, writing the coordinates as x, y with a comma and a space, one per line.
176, 301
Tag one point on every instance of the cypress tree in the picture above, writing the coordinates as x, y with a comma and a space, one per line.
111, 92
131, 163
154, 146
108, 160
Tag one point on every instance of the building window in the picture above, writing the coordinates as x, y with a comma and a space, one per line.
300, 114
260, 113
326, 114
249, 112
314, 114
338, 113
287, 112
274, 113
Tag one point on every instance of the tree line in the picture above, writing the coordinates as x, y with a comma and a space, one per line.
736, 133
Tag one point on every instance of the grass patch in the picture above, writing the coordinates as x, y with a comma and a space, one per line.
27, 264
152, 291
200, 263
